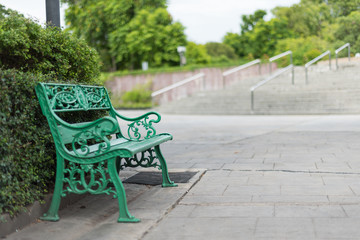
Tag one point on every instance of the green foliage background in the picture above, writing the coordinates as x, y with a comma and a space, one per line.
307, 28
127, 32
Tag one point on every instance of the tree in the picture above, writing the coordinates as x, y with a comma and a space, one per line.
349, 27
344, 7
306, 18
234, 40
249, 21
264, 37
151, 37
104, 24
220, 50
304, 49
196, 54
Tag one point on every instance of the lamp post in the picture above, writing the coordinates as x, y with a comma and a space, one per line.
53, 13
181, 50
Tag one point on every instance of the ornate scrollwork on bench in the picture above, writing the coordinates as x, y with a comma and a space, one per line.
146, 159
136, 133
92, 178
68, 97
80, 143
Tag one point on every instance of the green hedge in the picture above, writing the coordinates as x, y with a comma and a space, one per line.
27, 151
29, 47
30, 54
26, 146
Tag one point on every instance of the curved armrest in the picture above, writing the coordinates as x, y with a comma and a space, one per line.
143, 122
79, 134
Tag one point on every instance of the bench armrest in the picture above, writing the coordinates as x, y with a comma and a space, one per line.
143, 122
79, 134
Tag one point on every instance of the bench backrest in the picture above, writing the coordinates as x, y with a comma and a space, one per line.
68, 97
55, 98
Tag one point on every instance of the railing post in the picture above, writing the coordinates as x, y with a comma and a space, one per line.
336, 57
329, 60
259, 84
203, 83
292, 71
252, 100
338, 50
260, 68
270, 68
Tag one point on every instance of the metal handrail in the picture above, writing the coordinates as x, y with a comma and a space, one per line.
308, 64
280, 56
339, 49
233, 70
178, 84
259, 84
236, 69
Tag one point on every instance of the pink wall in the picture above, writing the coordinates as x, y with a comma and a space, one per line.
211, 81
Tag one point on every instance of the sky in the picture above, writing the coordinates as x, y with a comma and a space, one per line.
204, 20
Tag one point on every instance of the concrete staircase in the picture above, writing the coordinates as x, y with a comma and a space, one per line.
328, 92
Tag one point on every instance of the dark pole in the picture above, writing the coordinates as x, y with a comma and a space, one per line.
53, 12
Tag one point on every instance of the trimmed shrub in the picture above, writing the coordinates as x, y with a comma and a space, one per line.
30, 54
28, 47
304, 49
26, 147
138, 97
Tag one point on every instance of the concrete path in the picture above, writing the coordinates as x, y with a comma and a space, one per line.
260, 177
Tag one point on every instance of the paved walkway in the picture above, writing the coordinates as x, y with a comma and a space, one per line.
260, 177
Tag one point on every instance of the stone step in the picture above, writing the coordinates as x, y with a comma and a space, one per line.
327, 91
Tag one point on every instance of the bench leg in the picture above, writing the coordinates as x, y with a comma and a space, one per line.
124, 215
52, 213
166, 179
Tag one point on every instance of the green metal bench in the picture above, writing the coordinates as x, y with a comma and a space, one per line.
91, 154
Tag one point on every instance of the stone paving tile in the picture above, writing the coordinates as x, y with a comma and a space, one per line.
338, 199
305, 211
303, 190
337, 228
256, 166
225, 180
285, 228
212, 160
206, 199
210, 166
234, 190
295, 199
212, 190
233, 211
217, 173
352, 210
181, 211
282, 178
203, 228
299, 166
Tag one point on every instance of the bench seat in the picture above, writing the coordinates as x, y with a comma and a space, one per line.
130, 146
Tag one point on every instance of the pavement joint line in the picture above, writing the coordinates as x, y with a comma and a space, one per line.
257, 204
352, 190
172, 207
278, 130
291, 171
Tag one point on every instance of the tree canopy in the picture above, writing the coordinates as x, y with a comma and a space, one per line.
127, 32
306, 28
